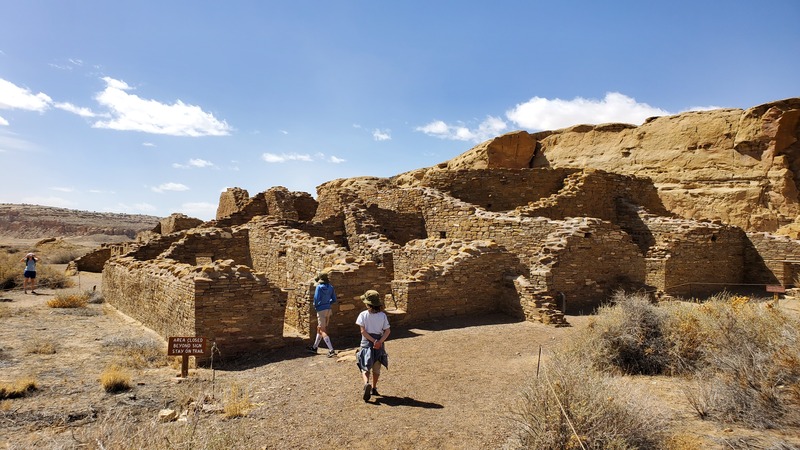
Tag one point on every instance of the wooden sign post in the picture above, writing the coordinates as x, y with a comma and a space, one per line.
776, 289
185, 347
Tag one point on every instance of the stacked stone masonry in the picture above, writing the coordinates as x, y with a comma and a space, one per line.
530, 243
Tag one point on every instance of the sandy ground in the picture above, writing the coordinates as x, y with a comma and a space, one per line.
450, 385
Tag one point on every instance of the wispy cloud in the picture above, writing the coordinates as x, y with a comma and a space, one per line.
50, 201
336, 160
381, 135
545, 114
9, 142
15, 97
63, 189
133, 209
79, 110
177, 187
148, 144
490, 127
3, 122
199, 209
194, 162
133, 113
283, 157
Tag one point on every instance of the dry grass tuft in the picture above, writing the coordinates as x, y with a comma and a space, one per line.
17, 389
115, 379
237, 402
573, 407
74, 300
138, 353
39, 346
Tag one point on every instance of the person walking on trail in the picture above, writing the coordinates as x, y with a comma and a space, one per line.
324, 297
29, 275
374, 331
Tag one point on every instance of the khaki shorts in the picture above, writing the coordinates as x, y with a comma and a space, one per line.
323, 317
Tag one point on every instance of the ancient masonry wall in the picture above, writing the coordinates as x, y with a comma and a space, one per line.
178, 222
479, 280
498, 189
291, 258
591, 193
583, 262
231, 201
205, 245
153, 293
772, 259
228, 304
241, 311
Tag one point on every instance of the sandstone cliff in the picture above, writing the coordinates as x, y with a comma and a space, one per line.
738, 166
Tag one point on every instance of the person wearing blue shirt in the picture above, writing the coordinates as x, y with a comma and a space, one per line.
30, 273
324, 297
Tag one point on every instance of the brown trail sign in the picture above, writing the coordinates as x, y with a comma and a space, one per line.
186, 346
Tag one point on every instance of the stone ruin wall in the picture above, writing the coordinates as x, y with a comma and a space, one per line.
238, 309
771, 259
474, 284
291, 258
151, 292
582, 263
206, 245
231, 201
695, 258
444, 277
498, 189
178, 222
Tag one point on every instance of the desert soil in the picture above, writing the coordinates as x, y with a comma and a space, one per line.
450, 385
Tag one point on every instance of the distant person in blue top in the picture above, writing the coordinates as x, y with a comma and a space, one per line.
30, 273
324, 297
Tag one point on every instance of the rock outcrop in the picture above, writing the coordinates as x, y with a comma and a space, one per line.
738, 166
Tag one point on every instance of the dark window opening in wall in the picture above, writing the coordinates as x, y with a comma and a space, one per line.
281, 253
443, 235
489, 206
713, 238
587, 235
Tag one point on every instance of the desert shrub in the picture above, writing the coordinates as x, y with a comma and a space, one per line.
627, 337
115, 379
237, 402
138, 353
64, 256
572, 406
750, 368
69, 300
50, 277
18, 388
10, 273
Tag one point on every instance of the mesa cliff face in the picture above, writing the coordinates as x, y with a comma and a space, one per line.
738, 166
34, 221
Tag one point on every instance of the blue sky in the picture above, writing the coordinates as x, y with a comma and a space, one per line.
155, 107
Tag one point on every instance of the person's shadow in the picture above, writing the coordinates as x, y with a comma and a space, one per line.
404, 401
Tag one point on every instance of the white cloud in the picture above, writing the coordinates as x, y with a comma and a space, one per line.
283, 157
545, 114
3, 121
283, 131
81, 111
133, 209
101, 191
199, 209
702, 108
50, 201
133, 113
336, 160
15, 97
490, 127
177, 187
200, 163
381, 135
148, 144
63, 189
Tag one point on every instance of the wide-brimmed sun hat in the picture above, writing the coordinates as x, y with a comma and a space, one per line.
322, 277
372, 298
